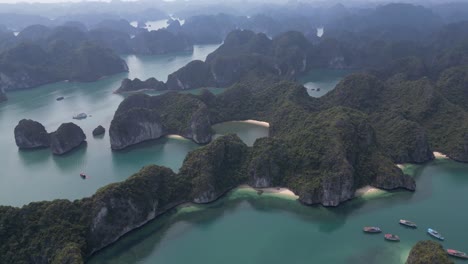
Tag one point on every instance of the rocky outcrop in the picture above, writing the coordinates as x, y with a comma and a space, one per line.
137, 85
215, 169
160, 42
66, 138
428, 252
30, 134
3, 96
194, 75
268, 163
100, 130
121, 207
135, 126
142, 117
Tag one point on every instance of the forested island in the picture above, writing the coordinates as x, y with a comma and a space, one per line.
407, 102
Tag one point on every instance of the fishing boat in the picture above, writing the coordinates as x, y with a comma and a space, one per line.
372, 229
435, 234
457, 254
80, 116
83, 176
408, 223
392, 237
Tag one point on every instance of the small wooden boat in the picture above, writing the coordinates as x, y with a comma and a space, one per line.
60, 98
83, 176
392, 237
435, 234
372, 229
408, 223
457, 254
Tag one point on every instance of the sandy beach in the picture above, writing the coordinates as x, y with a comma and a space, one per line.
255, 122
401, 166
439, 155
366, 190
175, 137
273, 190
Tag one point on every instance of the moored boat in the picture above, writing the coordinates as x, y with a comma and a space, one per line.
80, 116
392, 237
372, 229
435, 234
408, 223
457, 254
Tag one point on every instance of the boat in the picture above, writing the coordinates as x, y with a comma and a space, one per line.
457, 254
60, 98
83, 176
80, 116
435, 234
372, 229
392, 237
408, 223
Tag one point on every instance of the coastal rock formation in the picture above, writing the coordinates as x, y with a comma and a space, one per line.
194, 75
215, 169
268, 164
137, 85
428, 252
66, 138
29, 65
134, 126
142, 117
100, 130
121, 207
3, 96
30, 134
160, 42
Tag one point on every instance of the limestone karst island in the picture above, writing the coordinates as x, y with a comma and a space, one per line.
240, 131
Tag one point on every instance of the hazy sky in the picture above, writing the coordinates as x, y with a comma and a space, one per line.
43, 1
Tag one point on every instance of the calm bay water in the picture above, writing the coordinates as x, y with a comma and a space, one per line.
247, 228
323, 79
38, 175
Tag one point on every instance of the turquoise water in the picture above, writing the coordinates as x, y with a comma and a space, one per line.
247, 228
323, 79
247, 132
38, 175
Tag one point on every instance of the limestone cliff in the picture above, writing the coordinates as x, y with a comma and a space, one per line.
141, 117
3, 96
66, 138
30, 134
215, 169
121, 207
137, 85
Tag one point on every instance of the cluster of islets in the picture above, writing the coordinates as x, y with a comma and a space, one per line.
412, 225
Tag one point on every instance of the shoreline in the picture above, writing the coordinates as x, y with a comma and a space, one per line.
366, 190
439, 155
254, 122
280, 191
175, 136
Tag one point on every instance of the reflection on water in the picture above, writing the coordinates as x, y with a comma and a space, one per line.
38, 175
252, 228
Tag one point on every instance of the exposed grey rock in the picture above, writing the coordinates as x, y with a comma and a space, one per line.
100, 130
136, 85
67, 137
134, 126
30, 134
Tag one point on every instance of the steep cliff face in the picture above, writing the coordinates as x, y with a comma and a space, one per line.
30, 134
142, 117
134, 126
194, 75
121, 207
66, 138
215, 169
428, 252
3, 96
268, 164
136, 85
